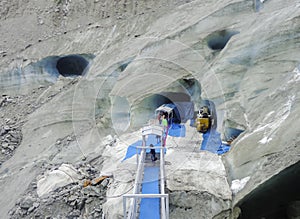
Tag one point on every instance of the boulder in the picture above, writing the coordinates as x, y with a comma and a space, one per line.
197, 185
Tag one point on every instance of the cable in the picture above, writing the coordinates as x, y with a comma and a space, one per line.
118, 196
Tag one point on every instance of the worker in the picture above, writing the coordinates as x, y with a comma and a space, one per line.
164, 122
157, 139
152, 152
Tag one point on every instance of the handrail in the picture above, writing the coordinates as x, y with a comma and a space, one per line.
145, 195
136, 196
136, 189
164, 202
162, 184
148, 147
163, 197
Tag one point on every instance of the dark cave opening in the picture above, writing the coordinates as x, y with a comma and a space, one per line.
219, 39
231, 133
146, 109
71, 65
171, 98
184, 93
278, 198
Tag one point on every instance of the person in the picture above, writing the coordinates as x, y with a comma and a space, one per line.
164, 121
157, 139
152, 152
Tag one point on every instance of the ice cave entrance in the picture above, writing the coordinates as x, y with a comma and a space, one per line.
219, 39
178, 106
71, 65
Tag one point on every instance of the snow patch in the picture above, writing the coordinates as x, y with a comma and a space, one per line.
237, 185
265, 140
268, 115
271, 128
296, 76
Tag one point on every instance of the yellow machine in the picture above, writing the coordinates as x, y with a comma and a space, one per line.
202, 124
203, 120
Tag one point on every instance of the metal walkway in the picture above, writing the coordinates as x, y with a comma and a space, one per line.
148, 199
149, 208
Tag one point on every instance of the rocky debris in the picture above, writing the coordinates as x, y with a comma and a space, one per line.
13, 114
5, 100
10, 139
70, 201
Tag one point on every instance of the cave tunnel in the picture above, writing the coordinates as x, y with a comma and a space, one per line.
145, 110
71, 65
176, 98
278, 198
231, 133
219, 39
185, 91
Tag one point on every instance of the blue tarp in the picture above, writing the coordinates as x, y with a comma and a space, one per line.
192, 122
150, 207
212, 142
223, 149
131, 151
177, 130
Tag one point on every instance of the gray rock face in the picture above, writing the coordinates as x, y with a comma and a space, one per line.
243, 55
198, 185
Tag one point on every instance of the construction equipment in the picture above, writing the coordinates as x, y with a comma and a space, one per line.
204, 119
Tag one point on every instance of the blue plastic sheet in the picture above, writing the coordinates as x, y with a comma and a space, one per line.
223, 149
150, 207
212, 142
177, 130
192, 122
131, 150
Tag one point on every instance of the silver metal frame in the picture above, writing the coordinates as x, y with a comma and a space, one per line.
136, 196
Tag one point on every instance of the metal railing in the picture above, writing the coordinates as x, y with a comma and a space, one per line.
136, 196
164, 202
137, 185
